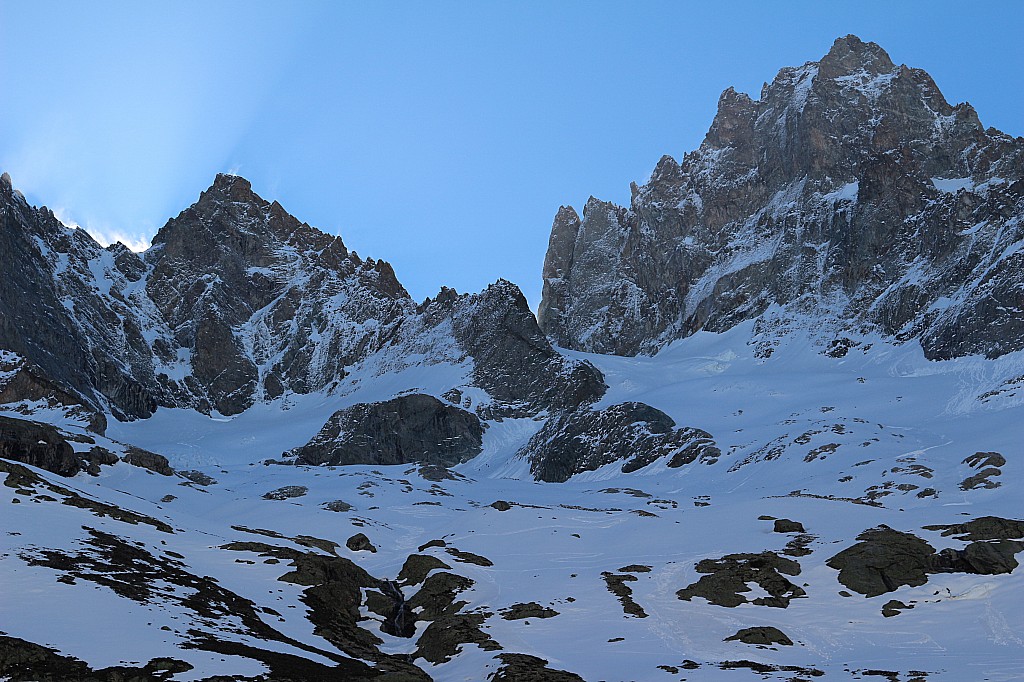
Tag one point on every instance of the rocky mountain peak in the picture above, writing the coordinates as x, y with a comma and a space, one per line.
9, 193
229, 212
238, 302
850, 55
231, 186
733, 123
849, 191
563, 232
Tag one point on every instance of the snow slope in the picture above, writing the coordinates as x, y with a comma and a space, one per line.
890, 431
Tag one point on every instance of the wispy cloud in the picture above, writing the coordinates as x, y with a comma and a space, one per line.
134, 242
105, 236
63, 216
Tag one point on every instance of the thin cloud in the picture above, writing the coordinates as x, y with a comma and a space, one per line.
105, 237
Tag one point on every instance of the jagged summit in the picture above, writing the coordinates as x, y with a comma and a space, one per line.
850, 192
850, 54
237, 303
230, 206
228, 181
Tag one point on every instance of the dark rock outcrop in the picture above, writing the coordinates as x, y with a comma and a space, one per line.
338, 506
158, 464
286, 492
360, 543
529, 610
512, 359
634, 433
448, 626
894, 607
850, 192
986, 465
417, 567
788, 526
22, 661
984, 528
526, 668
39, 445
727, 579
763, 635
411, 428
617, 585
885, 559
333, 592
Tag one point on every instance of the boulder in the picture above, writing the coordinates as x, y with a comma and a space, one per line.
409, 428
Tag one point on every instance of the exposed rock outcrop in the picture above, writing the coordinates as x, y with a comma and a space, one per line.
726, 580
634, 433
39, 445
158, 464
22, 661
764, 635
526, 668
411, 428
884, 559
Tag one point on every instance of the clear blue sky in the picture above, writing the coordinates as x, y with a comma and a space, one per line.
439, 136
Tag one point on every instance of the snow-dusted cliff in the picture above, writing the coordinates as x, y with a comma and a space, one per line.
850, 194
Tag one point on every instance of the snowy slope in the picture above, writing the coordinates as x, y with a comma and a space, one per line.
896, 421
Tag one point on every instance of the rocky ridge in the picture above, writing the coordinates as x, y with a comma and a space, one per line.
850, 196
237, 302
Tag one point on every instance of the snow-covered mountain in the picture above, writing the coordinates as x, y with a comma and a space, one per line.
237, 302
777, 436
851, 193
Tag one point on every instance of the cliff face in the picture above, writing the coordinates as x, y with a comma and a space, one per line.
65, 320
850, 193
238, 302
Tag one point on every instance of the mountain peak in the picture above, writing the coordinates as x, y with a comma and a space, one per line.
850, 54
850, 188
231, 187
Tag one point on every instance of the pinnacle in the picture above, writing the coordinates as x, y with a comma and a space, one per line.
230, 188
850, 54
234, 185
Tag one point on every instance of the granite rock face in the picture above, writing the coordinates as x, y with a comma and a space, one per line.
850, 193
236, 303
411, 428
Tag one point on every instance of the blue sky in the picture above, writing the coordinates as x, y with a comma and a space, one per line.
441, 137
